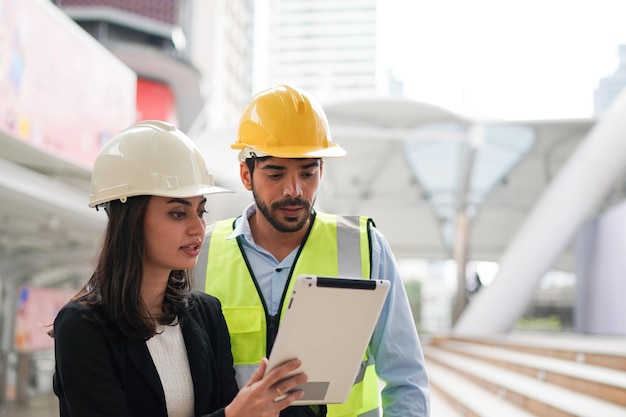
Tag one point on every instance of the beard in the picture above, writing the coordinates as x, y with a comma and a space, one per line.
289, 224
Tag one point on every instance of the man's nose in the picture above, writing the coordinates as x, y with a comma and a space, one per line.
292, 187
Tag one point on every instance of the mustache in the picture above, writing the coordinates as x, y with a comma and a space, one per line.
290, 202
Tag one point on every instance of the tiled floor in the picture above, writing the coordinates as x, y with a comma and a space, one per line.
44, 406
47, 407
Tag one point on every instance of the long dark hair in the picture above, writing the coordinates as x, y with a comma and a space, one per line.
112, 292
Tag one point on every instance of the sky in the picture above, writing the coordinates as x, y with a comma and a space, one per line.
509, 59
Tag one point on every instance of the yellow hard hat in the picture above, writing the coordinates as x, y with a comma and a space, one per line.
150, 157
285, 122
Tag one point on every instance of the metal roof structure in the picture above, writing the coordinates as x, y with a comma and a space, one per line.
48, 232
386, 137
44, 210
496, 177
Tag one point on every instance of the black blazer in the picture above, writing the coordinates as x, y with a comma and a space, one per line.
102, 373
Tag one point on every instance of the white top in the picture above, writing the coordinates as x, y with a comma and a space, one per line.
169, 355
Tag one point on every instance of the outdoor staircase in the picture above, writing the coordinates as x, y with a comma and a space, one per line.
551, 375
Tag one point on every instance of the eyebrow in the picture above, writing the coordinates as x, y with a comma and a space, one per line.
184, 202
313, 164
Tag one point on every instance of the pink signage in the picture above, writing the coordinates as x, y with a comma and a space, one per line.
37, 310
60, 90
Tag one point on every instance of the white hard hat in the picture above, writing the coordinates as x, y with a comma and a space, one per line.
150, 157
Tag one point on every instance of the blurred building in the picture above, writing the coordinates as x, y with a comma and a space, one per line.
329, 48
610, 87
198, 62
192, 57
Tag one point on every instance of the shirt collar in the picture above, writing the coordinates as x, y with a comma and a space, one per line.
242, 225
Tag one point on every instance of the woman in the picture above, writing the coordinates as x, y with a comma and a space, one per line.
136, 340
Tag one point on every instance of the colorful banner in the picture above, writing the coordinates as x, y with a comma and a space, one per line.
36, 312
60, 90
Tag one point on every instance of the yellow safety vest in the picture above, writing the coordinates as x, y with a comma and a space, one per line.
333, 245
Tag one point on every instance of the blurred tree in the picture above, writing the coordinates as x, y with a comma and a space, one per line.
414, 293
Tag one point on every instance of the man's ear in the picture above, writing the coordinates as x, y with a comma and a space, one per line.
246, 176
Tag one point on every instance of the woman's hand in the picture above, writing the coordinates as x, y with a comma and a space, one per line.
267, 396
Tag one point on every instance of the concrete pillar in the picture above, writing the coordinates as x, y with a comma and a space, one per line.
7, 326
569, 200
24, 370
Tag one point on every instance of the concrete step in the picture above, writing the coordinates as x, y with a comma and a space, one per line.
468, 398
605, 351
601, 382
533, 395
441, 406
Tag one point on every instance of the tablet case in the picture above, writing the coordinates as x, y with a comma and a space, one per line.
328, 325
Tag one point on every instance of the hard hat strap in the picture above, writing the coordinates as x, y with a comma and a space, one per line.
247, 153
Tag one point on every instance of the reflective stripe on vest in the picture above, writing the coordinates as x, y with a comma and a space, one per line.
334, 246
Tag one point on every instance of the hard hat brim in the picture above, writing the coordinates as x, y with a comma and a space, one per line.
183, 192
303, 152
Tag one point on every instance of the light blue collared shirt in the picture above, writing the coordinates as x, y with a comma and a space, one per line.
395, 344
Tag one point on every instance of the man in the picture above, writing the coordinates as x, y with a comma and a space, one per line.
252, 261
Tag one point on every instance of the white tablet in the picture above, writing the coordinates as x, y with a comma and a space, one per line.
328, 325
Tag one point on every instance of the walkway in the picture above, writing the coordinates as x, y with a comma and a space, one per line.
44, 406
47, 407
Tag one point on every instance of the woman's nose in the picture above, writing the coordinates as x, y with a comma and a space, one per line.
198, 226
